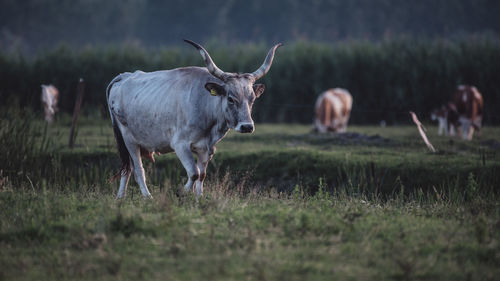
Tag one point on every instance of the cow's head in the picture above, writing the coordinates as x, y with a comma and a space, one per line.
238, 91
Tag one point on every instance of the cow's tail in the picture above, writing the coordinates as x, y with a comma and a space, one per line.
122, 149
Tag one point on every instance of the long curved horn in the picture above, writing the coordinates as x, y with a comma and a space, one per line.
212, 68
264, 68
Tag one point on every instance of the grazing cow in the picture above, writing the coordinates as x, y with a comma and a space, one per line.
185, 110
50, 95
469, 104
333, 109
447, 117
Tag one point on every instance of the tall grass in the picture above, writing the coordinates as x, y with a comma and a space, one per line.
386, 79
22, 140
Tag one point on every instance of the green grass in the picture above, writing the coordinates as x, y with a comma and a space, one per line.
48, 235
97, 135
282, 156
280, 204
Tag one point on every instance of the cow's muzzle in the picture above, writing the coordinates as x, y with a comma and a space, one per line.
244, 128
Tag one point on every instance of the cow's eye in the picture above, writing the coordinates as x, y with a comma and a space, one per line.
230, 100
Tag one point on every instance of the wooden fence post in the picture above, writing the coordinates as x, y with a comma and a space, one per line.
78, 104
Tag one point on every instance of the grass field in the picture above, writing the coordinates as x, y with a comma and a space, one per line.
280, 204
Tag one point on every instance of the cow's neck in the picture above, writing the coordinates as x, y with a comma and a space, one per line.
219, 126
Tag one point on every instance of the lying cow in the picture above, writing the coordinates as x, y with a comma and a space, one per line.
185, 110
333, 109
50, 96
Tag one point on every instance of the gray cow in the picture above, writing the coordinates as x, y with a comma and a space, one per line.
185, 110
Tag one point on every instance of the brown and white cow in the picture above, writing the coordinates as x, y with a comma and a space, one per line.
50, 96
469, 104
333, 108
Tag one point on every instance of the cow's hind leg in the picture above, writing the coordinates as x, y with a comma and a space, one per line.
470, 133
123, 184
140, 177
452, 130
185, 154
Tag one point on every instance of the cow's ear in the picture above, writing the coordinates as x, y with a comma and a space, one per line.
258, 89
215, 89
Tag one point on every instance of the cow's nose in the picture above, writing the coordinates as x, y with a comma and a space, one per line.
245, 128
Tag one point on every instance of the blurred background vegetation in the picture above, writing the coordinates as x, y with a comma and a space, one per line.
393, 56
40, 23
386, 79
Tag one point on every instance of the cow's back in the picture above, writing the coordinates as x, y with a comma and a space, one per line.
333, 108
346, 100
157, 105
324, 110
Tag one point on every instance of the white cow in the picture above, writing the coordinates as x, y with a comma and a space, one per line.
50, 95
185, 110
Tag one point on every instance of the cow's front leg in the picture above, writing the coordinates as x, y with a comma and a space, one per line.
466, 128
201, 163
186, 156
